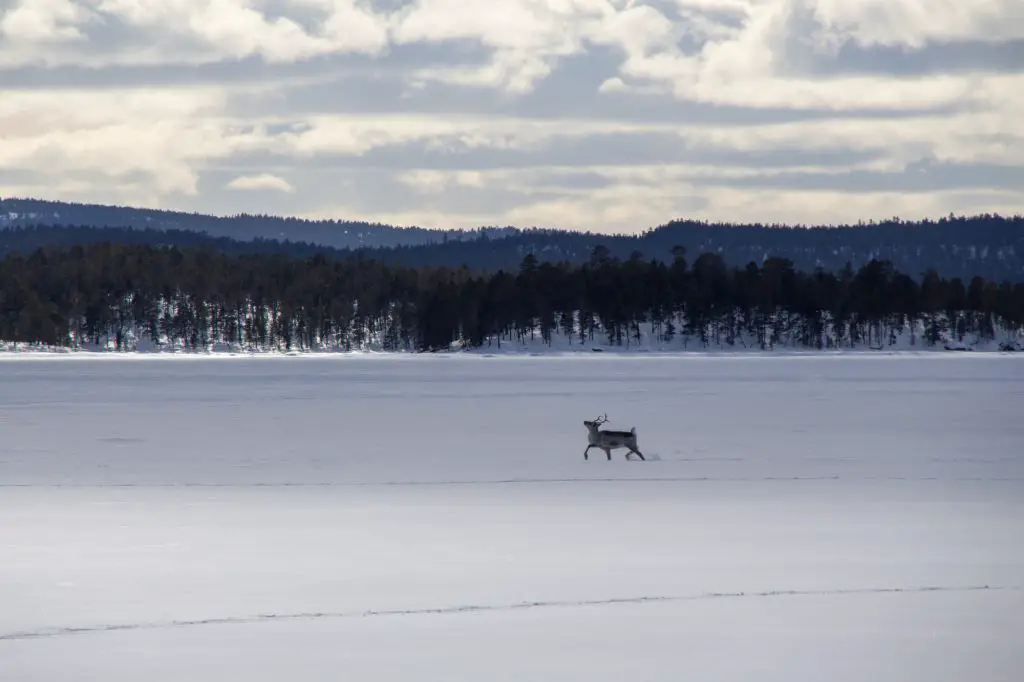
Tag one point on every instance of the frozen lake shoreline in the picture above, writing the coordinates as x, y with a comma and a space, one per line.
803, 517
739, 354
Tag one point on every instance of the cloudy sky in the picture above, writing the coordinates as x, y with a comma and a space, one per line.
612, 115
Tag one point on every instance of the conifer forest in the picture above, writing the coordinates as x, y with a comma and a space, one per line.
122, 296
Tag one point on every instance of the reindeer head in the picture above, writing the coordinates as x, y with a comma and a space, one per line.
596, 423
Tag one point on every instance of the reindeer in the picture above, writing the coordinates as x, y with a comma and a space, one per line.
610, 440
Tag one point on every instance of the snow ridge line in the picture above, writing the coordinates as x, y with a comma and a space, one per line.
516, 481
50, 632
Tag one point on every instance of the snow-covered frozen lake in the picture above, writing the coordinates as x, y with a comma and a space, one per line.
432, 518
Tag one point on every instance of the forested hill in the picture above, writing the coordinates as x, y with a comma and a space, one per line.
243, 227
990, 246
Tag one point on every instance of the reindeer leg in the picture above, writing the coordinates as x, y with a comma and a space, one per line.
638, 454
585, 457
609, 453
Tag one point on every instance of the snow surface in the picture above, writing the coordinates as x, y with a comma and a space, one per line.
803, 518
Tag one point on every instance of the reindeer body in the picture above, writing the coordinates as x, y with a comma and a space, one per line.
610, 440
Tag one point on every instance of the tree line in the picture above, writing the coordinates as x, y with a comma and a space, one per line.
194, 298
988, 245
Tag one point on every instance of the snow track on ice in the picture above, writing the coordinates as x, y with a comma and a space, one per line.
45, 633
513, 481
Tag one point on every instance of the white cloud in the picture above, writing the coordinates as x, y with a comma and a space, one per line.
667, 107
193, 31
912, 23
263, 181
43, 21
528, 37
160, 135
429, 181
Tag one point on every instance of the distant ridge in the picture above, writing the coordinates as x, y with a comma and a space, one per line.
988, 245
243, 226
